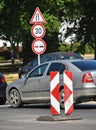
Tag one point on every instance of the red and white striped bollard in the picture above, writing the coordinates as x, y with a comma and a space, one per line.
54, 93
68, 92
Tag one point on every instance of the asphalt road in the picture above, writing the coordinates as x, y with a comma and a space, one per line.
25, 118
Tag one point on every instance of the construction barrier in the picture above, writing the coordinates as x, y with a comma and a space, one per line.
54, 93
68, 92
55, 98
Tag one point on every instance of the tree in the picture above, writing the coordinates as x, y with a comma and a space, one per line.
86, 31
14, 25
83, 16
10, 24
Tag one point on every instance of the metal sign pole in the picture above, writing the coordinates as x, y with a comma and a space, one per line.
38, 59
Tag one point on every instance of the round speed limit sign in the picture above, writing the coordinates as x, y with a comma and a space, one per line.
38, 30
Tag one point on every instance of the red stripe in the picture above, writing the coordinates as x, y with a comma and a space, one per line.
55, 92
67, 93
71, 109
69, 74
53, 74
53, 111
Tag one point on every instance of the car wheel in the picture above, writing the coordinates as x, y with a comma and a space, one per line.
2, 101
15, 98
62, 98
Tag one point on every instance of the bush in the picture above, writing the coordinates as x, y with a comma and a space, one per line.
6, 55
1, 58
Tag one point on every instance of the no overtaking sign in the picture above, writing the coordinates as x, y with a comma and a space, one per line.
38, 46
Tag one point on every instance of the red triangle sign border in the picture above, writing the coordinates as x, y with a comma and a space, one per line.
32, 21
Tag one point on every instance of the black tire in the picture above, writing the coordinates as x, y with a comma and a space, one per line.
15, 98
2, 100
62, 98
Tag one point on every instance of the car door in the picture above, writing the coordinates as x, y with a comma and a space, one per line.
33, 86
54, 66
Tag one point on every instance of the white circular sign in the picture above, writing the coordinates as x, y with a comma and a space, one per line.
38, 30
38, 46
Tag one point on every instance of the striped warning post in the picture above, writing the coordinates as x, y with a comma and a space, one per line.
54, 93
68, 92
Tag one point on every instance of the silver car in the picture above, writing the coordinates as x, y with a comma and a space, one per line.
35, 86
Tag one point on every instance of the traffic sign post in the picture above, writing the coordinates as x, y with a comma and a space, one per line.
38, 59
38, 32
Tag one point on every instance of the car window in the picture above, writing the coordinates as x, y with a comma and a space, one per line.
56, 67
77, 56
85, 65
62, 57
35, 63
38, 71
47, 58
30, 63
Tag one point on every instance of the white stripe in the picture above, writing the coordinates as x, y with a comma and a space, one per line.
55, 104
68, 103
68, 82
54, 82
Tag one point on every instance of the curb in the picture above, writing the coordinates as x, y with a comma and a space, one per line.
58, 118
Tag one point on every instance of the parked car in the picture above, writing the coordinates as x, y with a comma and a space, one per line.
35, 86
3, 86
47, 57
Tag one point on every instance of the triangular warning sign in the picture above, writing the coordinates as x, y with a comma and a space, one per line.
37, 17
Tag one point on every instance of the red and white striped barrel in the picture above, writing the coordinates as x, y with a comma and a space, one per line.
54, 93
68, 92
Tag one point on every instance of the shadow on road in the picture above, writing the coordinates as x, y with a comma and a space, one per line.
36, 106
88, 105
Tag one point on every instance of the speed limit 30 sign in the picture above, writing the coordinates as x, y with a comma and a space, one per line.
38, 30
